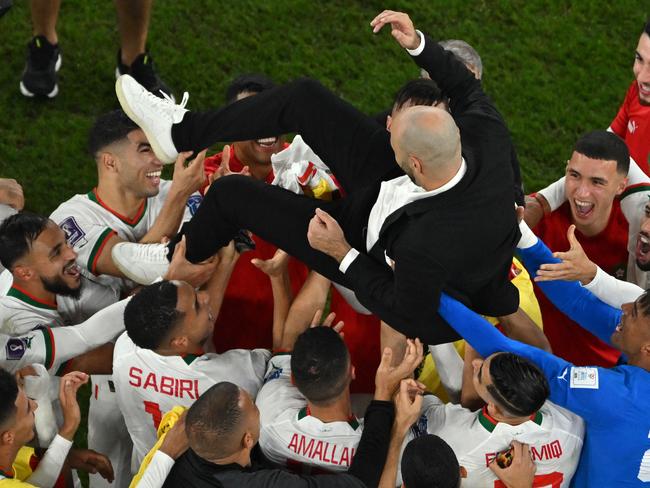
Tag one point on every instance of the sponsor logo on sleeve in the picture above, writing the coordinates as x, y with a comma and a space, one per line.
15, 348
273, 375
193, 203
73, 232
584, 377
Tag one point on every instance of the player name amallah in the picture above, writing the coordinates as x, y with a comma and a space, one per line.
322, 451
552, 450
165, 385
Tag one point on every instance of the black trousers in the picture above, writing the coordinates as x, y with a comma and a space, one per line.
353, 145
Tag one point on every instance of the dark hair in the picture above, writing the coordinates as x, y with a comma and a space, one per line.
8, 394
647, 27
249, 83
17, 233
107, 129
421, 91
601, 144
320, 364
429, 462
152, 314
213, 419
518, 386
643, 304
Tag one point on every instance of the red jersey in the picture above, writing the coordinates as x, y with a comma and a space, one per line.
609, 251
246, 316
632, 123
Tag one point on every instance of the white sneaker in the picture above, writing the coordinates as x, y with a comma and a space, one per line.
154, 115
142, 263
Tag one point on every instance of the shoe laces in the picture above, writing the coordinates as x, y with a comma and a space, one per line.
152, 253
174, 112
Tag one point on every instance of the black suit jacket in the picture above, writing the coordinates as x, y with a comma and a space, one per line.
460, 241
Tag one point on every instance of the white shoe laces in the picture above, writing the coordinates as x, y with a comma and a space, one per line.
166, 105
151, 253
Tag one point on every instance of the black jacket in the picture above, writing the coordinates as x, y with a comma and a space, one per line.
190, 470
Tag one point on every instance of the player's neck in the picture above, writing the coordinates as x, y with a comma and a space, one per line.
34, 289
119, 200
338, 411
499, 417
243, 458
7, 457
258, 171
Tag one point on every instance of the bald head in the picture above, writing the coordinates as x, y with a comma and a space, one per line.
430, 135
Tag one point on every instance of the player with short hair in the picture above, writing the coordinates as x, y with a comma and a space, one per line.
160, 361
17, 460
305, 404
427, 462
612, 401
515, 393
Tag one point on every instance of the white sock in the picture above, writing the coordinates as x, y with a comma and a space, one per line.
528, 238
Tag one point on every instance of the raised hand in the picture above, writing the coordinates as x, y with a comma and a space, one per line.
188, 178
11, 193
181, 269
521, 472
388, 377
402, 28
275, 266
325, 234
68, 388
91, 462
575, 264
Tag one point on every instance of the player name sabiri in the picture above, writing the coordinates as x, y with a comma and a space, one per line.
165, 385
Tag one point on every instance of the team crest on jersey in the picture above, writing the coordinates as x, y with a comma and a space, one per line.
15, 348
73, 232
273, 375
419, 428
193, 203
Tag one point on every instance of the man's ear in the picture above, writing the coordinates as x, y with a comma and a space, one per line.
7, 437
24, 273
416, 164
389, 122
622, 186
248, 441
463, 472
179, 342
107, 161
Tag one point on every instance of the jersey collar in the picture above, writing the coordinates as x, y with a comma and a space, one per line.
22, 295
490, 423
306, 412
93, 196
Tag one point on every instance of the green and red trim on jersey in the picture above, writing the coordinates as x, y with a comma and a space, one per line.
189, 358
306, 412
132, 222
490, 422
17, 292
50, 346
98, 248
635, 189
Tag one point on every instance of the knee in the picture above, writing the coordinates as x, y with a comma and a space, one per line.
230, 188
309, 88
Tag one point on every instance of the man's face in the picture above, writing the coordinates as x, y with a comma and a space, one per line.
259, 151
481, 378
641, 68
251, 413
198, 320
23, 427
53, 261
138, 167
591, 185
633, 331
642, 250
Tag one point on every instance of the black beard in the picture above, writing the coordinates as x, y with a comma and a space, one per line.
643, 267
59, 287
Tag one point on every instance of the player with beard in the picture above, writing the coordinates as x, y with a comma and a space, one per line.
160, 361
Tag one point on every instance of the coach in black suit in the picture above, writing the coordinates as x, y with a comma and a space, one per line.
460, 240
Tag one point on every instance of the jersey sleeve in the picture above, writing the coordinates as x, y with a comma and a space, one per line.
554, 194
587, 391
571, 298
88, 239
191, 206
35, 347
612, 291
278, 392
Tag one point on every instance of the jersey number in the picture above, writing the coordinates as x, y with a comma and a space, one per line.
552, 480
153, 409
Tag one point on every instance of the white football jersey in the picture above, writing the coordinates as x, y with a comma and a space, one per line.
290, 436
34, 347
20, 312
149, 385
554, 434
88, 223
